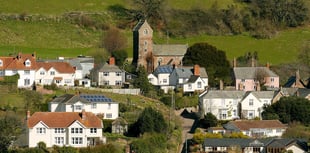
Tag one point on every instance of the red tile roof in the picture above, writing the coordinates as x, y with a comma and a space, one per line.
18, 62
64, 119
263, 124
61, 67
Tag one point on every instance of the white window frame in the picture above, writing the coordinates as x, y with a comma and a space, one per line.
77, 130
59, 140
42, 73
105, 73
52, 73
59, 130
93, 130
41, 130
109, 115
26, 72
118, 73
94, 106
251, 102
76, 140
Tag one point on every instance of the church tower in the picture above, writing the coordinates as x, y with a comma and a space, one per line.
143, 45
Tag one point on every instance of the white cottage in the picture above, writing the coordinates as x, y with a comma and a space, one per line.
64, 129
95, 103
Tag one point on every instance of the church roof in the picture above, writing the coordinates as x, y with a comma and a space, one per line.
169, 50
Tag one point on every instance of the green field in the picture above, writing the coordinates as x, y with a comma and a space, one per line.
53, 39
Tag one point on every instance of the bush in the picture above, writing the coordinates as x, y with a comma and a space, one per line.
53, 86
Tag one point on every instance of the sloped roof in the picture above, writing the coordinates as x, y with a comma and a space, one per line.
303, 92
203, 72
163, 69
61, 67
250, 72
169, 50
233, 94
64, 119
139, 24
109, 68
262, 94
246, 125
227, 142
192, 79
184, 72
119, 121
18, 62
84, 98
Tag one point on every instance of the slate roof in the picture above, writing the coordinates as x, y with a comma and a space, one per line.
203, 72
109, 68
249, 72
63, 119
184, 72
245, 125
119, 121
261, 94
163, 69
139, 24
233, 94
303, 92
169, 50
84, 98
61, 67
192, 79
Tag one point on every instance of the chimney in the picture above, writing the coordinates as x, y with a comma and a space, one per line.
221, 85
268, 65
235, 62
196, 70
19, 56
253, 62
112, 61
83, 114
257, 86
28, 114
297, 75
34, 55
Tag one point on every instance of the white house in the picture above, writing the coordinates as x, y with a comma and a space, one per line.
222, 104
22, 64
60, 73
257, 128
160, 77
191, 79
75, 129
83, 66
110, 74
253, 102
95, 103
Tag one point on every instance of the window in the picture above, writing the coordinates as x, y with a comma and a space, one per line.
59, 140
93, 105
42, 73
105, 73
251, 101
27, 63
26, 82
151, 79
1, 63
145, 31
164, 80
78, 107
189, 86
199, 84
109, 106
242, 80
251, 115
68, 81
118, 73
52, 73
58, 81
76, 130
77, 140
26, 72
118, 83
93, 130
272, 79
41, 130
256, 149
109, 115
235, 112
14, 71
278, 130
106, 83
59, 130
1, 73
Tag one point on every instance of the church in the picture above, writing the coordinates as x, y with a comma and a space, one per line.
151, 55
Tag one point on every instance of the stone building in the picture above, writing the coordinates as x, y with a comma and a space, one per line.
151, 55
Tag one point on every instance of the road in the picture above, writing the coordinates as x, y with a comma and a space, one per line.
188, 121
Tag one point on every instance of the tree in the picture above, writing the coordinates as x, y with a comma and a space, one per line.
150, 9
120, 57
289, 109
209, 120
212, 59
33, 100
113, 40
141, 81
150, 143
10, 128
151, 120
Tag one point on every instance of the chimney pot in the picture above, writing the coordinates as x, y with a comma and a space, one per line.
28, 114
83, 114
112, 61
196, 70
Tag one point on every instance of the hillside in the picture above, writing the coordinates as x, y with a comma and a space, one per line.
52, 38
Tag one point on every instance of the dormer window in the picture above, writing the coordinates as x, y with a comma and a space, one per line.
1, 63
27, 63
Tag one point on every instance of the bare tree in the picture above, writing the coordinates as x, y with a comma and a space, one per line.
113, 40
260, 75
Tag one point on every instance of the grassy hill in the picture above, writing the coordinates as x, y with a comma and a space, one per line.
50, 39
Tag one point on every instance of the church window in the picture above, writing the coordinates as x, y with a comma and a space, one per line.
145, 31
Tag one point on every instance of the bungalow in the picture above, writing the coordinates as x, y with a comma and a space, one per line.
240, 145
75, 129
257, 128
95, 103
